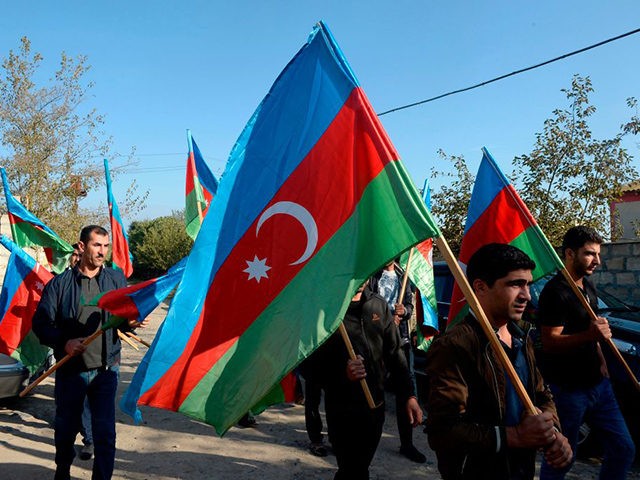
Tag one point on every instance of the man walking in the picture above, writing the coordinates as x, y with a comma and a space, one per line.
388, 283
62, 321
572, 358
354, 428
476, 422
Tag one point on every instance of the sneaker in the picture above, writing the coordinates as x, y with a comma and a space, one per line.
318, 449
247, 421
86, 452
413, 454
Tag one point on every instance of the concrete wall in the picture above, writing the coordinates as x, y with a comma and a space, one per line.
619, 273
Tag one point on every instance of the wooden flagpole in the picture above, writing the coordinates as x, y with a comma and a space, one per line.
126, 339
352, 355
138, 339
474, 304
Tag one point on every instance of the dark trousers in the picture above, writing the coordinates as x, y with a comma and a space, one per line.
70, 391
405, 429
354, 436
312, 418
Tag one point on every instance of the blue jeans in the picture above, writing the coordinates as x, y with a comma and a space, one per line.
599, 408
71, 389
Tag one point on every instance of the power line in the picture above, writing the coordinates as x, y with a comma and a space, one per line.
403, 107
501, 77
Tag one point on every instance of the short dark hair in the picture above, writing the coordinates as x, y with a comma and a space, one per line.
576, 237
86, 232
495, 260
75, 246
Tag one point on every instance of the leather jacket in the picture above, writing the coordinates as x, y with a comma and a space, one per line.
466, 405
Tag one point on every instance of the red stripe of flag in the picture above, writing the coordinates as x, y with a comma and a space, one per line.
500, 222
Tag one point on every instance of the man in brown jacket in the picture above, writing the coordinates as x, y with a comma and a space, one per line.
477, 425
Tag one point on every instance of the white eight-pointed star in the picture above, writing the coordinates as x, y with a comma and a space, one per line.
257, 268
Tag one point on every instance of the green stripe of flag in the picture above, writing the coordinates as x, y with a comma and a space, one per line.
533, 242
191, 215
31, 353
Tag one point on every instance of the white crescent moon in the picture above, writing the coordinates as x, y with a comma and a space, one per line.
303, 216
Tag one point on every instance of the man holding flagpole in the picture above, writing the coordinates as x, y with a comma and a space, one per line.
62, 321
476, 422
572, 361
388, 284
354, 427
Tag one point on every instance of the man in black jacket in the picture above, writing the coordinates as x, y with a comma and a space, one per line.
388, 284
62, 321
354, 428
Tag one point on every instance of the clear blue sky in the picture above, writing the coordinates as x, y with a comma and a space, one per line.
162, 67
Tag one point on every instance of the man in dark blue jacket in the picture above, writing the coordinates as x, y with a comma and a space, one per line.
62, 321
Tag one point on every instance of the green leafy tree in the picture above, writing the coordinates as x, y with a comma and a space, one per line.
158, 244
53, 142
571, 177
450, 203
633, 125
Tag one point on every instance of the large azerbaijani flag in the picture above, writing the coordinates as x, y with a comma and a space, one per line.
22, 287
421, 275
121, 258
28, 230
293, 232
498, 214
201, 186
139, 300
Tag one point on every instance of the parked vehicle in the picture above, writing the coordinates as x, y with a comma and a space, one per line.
13, 375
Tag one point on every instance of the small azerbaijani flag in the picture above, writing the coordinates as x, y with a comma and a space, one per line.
497, 214
421, 275
137, 301
295, 231
23, 283
201, 187
28, 230
121, 258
